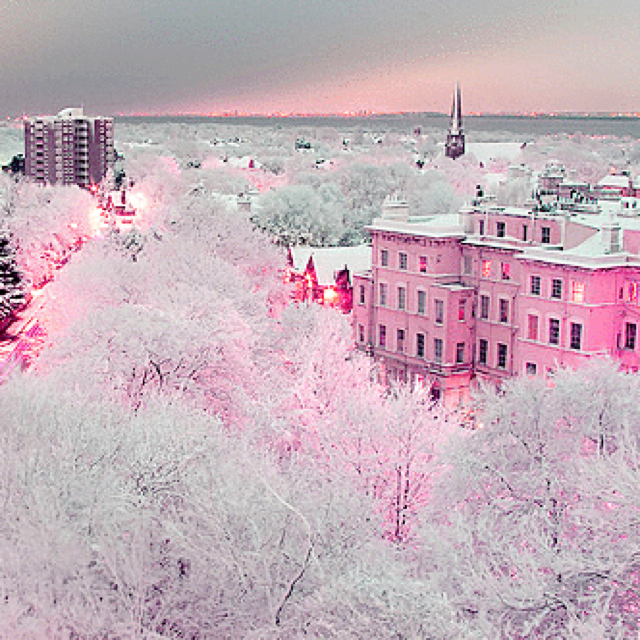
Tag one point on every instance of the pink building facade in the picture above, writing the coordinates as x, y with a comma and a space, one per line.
498, 292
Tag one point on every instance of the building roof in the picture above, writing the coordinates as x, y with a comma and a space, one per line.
614, 181
589, 255
486, 152
71, 112
593, 249
328, 260
444, 226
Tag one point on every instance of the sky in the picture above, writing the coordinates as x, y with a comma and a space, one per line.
318, 56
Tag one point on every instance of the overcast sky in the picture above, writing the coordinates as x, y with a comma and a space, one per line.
210, 56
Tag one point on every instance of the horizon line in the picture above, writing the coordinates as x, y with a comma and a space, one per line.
364, 113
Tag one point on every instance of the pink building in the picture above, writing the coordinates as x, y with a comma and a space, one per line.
69, 148
553, 181
496, 292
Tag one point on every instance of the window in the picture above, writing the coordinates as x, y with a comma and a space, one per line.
502, 356
546, 235
383, 294
420, 345
382, 335
577, 291
481, 227
504, 310
439, 315
525, 232
486, 268
462, 305
422, 302
400, 340
384, 258
360, 333
630, 332
459, 352
532, 327
467, 265
362, 294
531, 368
484, 307
632, 291
483, 350
500, 229
534, 289
554, 331
437, 349
556, 288
423, 264
402, 261
402, 298
506, 271
576, 336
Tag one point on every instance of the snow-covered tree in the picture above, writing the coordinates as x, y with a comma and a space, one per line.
159, 524
182, 321
12, 286
326, 401
298, 214
47, 224
534, 530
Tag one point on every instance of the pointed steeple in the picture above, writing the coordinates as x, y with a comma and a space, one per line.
454, 146
456, 111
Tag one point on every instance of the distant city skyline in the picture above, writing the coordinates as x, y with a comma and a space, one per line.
263, 56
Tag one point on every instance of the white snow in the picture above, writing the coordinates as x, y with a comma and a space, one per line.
328, 260
486, 152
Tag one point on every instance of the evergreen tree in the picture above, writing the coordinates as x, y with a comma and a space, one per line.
12, 290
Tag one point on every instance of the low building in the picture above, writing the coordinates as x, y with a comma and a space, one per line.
323, 274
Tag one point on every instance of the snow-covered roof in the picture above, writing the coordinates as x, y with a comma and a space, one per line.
615, 181
328, 260
71, 112
435, 226
487, 151
588, 255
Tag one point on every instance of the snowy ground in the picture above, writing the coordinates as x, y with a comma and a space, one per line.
487, 152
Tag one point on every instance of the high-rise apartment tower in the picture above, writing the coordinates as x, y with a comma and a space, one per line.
69, 148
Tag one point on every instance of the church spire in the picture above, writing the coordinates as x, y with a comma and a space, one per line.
454, 146
456, 111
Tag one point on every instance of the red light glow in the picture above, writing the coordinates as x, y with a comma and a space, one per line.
330, 296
